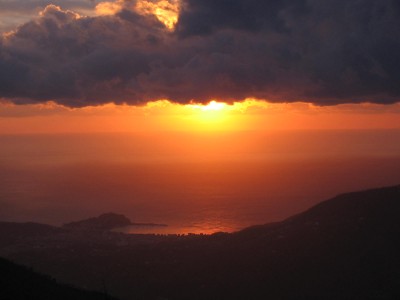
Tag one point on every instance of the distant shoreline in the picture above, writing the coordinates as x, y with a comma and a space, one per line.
147, 224
125, 229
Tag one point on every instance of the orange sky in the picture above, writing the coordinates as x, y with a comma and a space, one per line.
237, 159
216, 161
165, 116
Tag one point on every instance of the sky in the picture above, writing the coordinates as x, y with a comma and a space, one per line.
267, 82
130, 65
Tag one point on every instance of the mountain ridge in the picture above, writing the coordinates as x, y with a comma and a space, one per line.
346, 247
21, 283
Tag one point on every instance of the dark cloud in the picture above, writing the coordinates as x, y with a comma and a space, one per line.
31, 5
16, 12
325, 52
206, 16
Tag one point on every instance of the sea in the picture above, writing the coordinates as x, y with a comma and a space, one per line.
198, 183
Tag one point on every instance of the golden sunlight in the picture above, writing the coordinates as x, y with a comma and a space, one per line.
212, 116
109, 8
250, 114
166, 11
213, 105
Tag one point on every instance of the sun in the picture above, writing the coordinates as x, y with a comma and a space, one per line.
211, 106
214, 105
212, 116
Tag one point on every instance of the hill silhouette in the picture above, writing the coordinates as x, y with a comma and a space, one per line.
344, 248
11, 232
20, 283
106, 221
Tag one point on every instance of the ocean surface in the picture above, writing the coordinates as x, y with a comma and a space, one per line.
200, 183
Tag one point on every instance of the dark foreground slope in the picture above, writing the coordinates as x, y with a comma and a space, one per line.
20, 283
344, 248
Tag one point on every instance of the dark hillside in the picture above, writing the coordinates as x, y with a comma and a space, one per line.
103, 222
344, 248
11, 232
20, 283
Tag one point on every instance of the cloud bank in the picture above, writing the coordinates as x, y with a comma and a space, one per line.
320, 51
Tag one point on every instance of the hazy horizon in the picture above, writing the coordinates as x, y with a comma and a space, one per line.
203, 183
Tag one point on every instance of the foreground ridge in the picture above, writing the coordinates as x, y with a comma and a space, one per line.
343, 248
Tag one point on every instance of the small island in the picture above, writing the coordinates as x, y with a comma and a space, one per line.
105, 222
